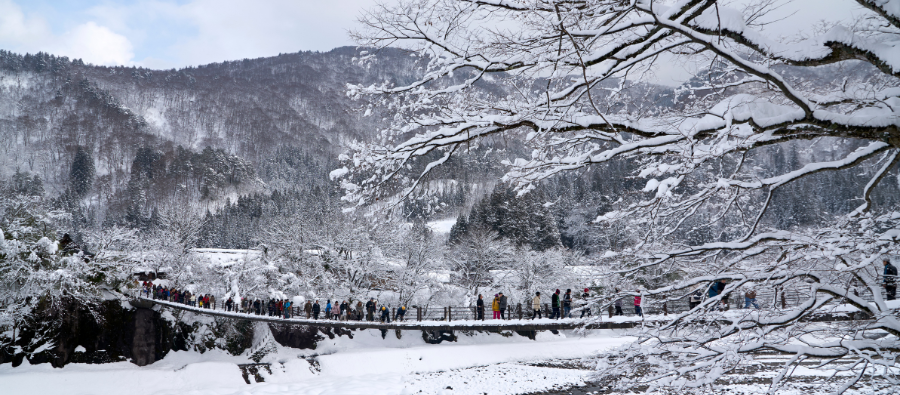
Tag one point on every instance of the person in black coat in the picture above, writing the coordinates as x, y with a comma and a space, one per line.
503, 305
586, 296
345, 309
479, 308
370, 310
890, 280
695, 299
721, 288
554, 303
316, 310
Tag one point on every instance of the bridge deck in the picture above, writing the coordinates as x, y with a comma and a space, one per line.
490, 325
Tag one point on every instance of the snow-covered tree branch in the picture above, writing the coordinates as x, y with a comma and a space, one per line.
577, 78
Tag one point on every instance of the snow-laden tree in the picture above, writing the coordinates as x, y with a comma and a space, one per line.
335, 254
419, 255
168, 248
38, 274
577, 77
472, 258
529, 271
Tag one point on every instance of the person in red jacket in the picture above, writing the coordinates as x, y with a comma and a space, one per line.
637, 304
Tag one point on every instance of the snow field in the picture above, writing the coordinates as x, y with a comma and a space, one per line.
366, 364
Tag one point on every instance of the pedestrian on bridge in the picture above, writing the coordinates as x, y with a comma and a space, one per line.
695, 298
618, 304
328, 309
370, 310
722, 284
229, 303
359, 310
536, 305
504, 304
401, 312
479, 308
495, 306
308, 309
714, 289
637, 304
890, 280
554, 303
212, 301
316, 309
586, 296
750, 298
567, 304
257, 305
344, 310
385, 314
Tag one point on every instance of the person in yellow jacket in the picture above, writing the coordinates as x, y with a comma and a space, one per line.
495, 306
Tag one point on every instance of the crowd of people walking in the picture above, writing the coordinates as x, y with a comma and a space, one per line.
562, 305
285, 308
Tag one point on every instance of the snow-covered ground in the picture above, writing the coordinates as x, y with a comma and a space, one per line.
368, 364
442, 226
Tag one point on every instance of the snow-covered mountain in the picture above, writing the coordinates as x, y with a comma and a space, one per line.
236, 131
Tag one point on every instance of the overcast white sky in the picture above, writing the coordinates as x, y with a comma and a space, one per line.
177, 33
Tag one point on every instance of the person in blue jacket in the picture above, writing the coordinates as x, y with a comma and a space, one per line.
714, 289
385, 314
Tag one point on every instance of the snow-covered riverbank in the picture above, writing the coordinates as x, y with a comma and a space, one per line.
367, 364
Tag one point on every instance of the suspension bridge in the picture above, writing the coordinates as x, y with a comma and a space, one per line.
461, 318
447, 324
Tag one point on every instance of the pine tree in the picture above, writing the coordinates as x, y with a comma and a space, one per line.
81, 177
460, 228
37, 186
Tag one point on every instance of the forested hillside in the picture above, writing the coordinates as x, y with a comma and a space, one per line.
118, 145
